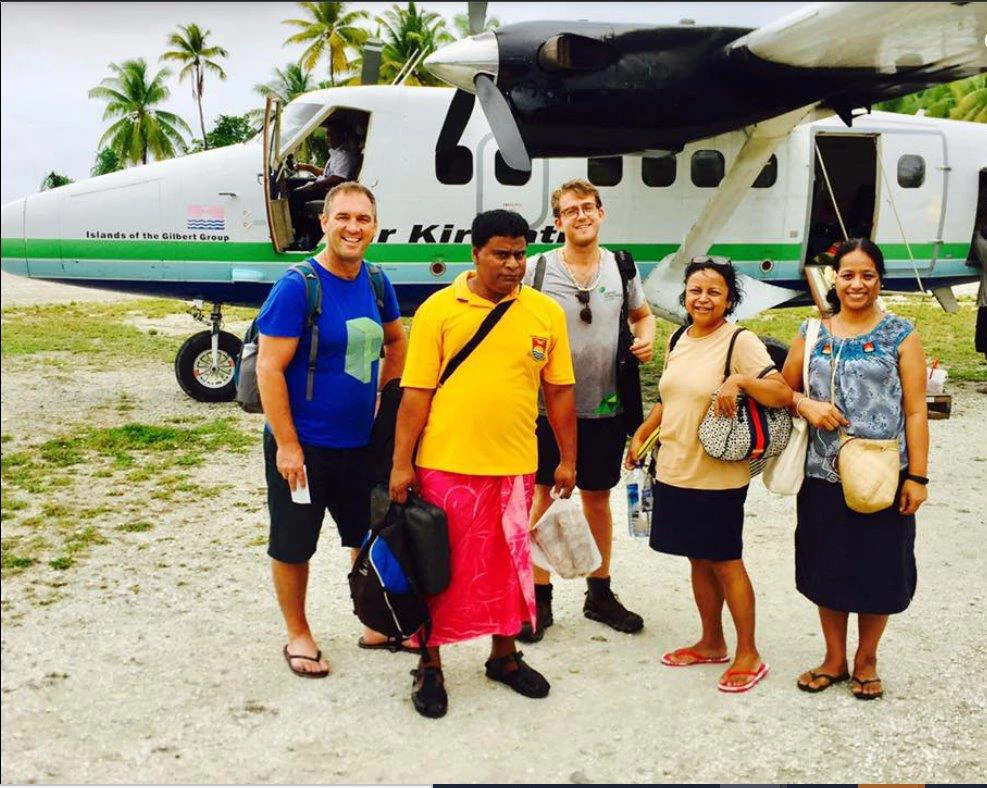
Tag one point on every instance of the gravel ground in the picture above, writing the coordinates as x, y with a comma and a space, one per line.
157, 658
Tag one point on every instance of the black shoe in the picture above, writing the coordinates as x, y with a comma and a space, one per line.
525, 680
543, 605
602, 605
428, 692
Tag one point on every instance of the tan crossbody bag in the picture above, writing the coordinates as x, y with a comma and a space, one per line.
868, 467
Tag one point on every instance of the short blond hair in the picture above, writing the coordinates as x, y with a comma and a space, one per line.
580, 187
348, 187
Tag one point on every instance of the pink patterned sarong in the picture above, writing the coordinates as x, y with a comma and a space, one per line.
492, 587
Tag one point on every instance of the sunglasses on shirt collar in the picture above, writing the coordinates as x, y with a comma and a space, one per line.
582, 296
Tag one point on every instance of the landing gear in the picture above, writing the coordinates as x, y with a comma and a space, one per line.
205, 364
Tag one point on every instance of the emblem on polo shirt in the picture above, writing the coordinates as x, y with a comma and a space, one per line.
539, 347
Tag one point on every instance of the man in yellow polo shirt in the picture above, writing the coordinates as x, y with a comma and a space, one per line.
477, 455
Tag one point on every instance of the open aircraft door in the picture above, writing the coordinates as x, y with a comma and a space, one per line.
912, 181
275, 195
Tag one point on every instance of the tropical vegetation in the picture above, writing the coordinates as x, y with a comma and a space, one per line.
139, 129
331, 32
53, 180
192, 51
965, 99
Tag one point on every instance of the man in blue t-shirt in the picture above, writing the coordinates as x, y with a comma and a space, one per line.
321, 443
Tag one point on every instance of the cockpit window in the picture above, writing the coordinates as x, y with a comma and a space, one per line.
294, 118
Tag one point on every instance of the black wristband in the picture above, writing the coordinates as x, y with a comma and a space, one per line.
914, 477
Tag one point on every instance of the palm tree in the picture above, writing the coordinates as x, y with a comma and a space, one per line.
461, 22
107, 161
329, 31
139, 129
410, 34
53, 180
971, 99
965, 99
192, 51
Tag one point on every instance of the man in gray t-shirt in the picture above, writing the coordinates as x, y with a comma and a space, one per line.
585, 280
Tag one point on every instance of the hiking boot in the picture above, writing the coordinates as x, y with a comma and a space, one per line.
602, 605
543, 609
428, 692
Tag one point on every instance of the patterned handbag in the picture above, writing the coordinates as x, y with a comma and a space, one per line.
753, 434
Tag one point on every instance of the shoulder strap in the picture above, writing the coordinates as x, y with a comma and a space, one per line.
313, 308
485, 328
625, 264
811, 337
540, 264
733, 341
676, 336
377, 283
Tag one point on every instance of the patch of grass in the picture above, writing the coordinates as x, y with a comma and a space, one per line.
6, 438
83, 540
61, 564
136, 527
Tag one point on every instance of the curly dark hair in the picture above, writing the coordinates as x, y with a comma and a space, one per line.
724, 268
489, 224
865, 245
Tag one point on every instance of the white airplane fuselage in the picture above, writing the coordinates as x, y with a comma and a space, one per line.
197, 227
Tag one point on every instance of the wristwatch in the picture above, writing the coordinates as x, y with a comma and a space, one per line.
914, 477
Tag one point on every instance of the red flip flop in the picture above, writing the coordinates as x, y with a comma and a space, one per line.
697, 658
755, 677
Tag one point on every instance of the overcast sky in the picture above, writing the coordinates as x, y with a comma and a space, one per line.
53, 53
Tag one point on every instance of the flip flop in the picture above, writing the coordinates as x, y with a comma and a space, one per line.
755, 677
315, 674
392, 644
863, 695
697, 658
830, 681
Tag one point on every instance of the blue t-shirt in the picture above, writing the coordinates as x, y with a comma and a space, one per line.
341, 411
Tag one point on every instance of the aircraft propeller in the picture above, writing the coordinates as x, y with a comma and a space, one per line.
471, 65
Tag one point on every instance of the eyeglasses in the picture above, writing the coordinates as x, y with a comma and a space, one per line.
582, 296
571, 213
706, 258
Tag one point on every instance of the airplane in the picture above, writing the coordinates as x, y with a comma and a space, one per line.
771, 176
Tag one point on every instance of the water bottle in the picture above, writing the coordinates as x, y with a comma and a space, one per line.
647, 504
638, 523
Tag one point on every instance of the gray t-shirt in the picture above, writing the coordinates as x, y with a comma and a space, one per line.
593, 345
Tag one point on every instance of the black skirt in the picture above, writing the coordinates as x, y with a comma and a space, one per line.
980, 335
852, 562
707, 524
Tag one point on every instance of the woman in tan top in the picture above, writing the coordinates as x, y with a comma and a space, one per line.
699, 501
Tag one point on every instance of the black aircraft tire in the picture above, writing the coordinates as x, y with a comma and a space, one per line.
193, 367
777, 349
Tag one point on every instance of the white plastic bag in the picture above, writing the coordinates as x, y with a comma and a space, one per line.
562, 543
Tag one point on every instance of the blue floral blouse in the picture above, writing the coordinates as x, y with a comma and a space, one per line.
868, 389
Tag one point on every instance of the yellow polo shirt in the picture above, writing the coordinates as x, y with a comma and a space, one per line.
482, 420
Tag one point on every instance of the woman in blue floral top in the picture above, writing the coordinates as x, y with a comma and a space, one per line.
846, 562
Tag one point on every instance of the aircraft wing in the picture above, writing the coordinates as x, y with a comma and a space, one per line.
882, 49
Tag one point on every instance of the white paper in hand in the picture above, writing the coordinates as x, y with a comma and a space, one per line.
301, 494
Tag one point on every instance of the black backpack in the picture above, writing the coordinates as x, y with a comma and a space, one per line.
245, 371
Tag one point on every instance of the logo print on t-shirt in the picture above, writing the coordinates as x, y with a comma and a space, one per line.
539, 347
364, 338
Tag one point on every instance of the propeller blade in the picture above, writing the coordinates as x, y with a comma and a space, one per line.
477, 17
456, 119
502, 123
370, 72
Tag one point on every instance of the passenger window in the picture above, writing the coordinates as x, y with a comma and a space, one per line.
454, 166
708, 167
605, 171
659, 172
508, 176
911, 171
768, 175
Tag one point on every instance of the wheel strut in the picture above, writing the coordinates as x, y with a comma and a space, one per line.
215, 323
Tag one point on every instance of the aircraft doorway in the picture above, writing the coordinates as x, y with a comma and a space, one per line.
850, 162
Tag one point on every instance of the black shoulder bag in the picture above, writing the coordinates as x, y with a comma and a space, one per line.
628, 367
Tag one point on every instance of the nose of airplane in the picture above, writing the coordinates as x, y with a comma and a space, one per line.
460, 62
12, 256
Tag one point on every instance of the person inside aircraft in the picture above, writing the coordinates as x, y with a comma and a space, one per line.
698, 500
867, 376
343, 161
